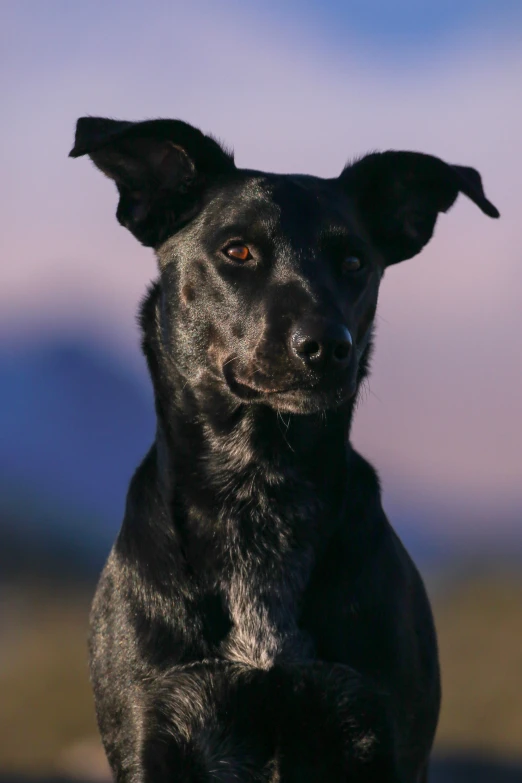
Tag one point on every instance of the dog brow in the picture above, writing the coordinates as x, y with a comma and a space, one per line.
342, 237
260, 228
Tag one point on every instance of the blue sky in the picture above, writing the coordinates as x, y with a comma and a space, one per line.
400, 31
415, 23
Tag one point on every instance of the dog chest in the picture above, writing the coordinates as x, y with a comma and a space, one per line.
264, 623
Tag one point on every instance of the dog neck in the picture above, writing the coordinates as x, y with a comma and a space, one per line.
218, 454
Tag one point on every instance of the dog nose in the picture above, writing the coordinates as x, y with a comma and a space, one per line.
321, 344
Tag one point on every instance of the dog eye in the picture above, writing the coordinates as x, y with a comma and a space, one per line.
238, 252
351, 264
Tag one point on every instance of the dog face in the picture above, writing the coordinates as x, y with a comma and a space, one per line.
272, 287
269, 283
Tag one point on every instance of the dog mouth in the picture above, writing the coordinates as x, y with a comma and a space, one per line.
297, 396
247, 389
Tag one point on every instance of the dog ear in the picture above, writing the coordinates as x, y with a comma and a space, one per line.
159, 166
399, 195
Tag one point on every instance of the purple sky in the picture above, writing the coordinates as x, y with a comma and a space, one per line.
446, 390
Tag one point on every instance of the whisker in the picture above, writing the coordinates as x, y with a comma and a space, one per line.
280, 418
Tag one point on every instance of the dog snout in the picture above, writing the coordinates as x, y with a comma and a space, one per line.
321, 344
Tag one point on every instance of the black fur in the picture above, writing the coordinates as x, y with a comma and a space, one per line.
258, 618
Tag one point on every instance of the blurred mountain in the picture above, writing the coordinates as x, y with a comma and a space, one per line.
75, 421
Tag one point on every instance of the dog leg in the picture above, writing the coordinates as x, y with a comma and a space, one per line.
295, 723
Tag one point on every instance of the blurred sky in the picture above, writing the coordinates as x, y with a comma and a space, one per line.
291, 87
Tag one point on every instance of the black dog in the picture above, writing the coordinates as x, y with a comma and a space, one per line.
258, 618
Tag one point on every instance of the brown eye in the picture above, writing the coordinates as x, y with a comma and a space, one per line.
351, 264
238, 252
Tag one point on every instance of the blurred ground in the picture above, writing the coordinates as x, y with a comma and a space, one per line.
46, 711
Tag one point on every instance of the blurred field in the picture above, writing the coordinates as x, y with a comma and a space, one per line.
480, 638
46, 711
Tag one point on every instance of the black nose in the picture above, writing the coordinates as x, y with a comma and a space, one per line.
321, 344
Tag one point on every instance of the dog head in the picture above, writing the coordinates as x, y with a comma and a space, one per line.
269, 282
